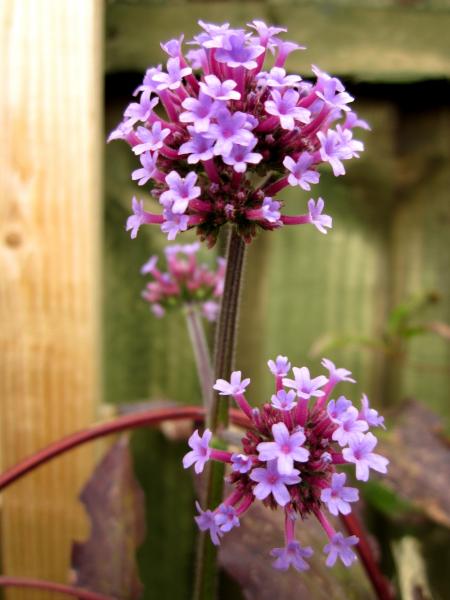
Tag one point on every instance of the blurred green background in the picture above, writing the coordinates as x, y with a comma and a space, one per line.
372, 295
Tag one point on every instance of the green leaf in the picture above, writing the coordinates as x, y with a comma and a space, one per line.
386, 500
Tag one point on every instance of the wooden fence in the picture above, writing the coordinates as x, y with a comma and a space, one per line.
390, 242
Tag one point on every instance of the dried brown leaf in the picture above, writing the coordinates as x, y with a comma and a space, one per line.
419, 457
245, 554
106, 561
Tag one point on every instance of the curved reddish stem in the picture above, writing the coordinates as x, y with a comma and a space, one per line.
379, 582
50, 586
141, 419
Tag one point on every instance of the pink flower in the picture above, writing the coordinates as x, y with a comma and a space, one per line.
285, 449
200, 453
240, 120
290, 458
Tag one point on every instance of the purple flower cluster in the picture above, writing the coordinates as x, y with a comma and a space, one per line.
290, 456
219, 134
186, 282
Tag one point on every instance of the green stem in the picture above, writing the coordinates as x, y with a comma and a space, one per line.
201, 352
225, 342
224, 349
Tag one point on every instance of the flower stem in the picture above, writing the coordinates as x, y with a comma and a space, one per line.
51, 586
145, 418
217, 417
379, 583
225, 342
201, 352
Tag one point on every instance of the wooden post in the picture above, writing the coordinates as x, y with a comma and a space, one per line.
50, 198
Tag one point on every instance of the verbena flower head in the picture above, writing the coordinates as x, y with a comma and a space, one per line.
185, 283
222, 129
290, 458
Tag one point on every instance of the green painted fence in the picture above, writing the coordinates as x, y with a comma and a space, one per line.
390, 240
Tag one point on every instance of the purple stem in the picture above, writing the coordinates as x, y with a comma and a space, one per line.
51, 586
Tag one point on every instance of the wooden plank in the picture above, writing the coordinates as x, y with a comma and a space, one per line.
420, 259
50, 118
376, 42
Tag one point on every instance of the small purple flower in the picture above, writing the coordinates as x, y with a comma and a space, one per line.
370, 415
199, 147
200, 452
150, 265
174, 223
231, 128
333, 95
174, 76
149, 85
300, 173
316, 217
148, 162
158, 310
286, 448
236, 53
284, 400
215, 35
281, 366
360, 453
337, 497
350, 148
326, 458
212, 32
304, 385
210, 310
284, 49
241, 463
277, 78
219, 90
121, 132
336, 146
330, 151
232, 388
240, 156
197, 58
181, 191
285, 108
207, 521
226, 518
266, 33
186, 249
292, 555
340, 547
336, 375
352, 120
137, 218
271, 210
173, 47
199, 111
323, 77
337, 408
151, 139
140, 111
349, 427
270, 481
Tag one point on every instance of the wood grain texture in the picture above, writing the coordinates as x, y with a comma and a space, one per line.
49, 262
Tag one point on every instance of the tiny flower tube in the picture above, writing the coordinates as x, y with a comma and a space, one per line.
290, 458
229, 107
